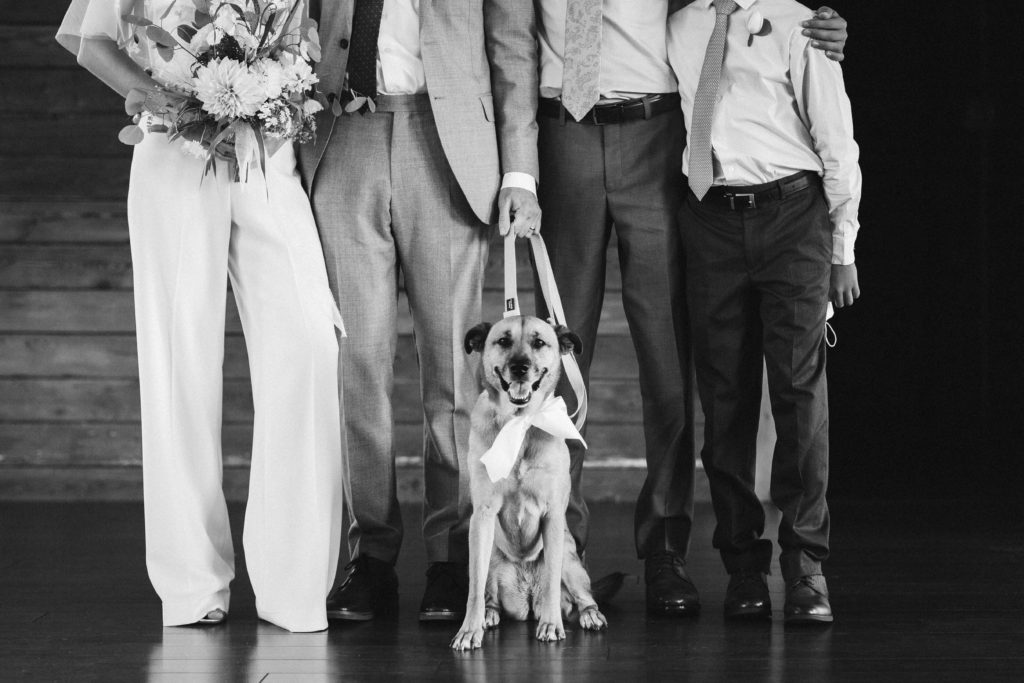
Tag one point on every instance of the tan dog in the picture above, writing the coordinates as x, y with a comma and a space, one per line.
521, 555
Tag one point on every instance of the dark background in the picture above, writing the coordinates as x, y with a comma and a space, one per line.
925, 383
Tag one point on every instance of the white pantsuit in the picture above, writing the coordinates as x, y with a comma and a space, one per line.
189, 234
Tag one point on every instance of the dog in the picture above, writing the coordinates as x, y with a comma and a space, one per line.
521, 555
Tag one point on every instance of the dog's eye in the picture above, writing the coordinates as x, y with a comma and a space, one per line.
503, 342
539, 343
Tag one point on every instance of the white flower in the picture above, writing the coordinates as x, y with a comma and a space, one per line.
271, 75
298, 74
225, 20
201, 40
227, 89
755, 23
193, 148
277, 119
311, 106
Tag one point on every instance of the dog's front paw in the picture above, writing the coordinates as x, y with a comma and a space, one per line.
550, 630
492, 617
591, 619
468, 638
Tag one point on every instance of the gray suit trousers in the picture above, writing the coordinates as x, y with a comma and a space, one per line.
627, 175
386, 203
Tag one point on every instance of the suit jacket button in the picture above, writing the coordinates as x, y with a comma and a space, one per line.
343, 43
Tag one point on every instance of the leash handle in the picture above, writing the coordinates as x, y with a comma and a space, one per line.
549, 289
511, 293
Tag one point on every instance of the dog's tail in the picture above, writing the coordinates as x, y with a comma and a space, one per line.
606, 587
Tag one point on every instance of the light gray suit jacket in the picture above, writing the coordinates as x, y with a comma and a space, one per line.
479, 57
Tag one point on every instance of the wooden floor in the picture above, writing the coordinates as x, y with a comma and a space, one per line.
922, 592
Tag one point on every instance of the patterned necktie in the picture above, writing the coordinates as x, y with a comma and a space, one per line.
582, 70
362, 57
701, 167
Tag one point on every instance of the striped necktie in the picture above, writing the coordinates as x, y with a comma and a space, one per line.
581, 74
701, 166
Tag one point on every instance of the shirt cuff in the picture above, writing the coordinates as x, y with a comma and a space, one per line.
842, 249
523, 181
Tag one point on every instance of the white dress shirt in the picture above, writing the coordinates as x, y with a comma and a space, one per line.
400, 65
633, 56
399, 60
782, 106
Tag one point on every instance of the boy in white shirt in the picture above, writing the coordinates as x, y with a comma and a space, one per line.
769, 226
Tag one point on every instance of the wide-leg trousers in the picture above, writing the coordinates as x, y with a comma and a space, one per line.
386, 204
189, 235
757, 282
627, 176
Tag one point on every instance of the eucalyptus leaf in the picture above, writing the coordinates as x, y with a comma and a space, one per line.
135, 101
131, 135
187, 32
166, 53
161, 37
355, 105
336, 107
136, 20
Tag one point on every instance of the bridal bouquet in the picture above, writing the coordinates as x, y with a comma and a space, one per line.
250, 83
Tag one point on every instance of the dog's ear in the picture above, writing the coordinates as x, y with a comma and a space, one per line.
568, 340
476, 337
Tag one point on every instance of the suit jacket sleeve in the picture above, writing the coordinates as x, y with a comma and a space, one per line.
511, 40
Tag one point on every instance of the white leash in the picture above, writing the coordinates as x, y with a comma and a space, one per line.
554, 303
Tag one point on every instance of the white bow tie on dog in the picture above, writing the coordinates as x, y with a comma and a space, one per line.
553, 418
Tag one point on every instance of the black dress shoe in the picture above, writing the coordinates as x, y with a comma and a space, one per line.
446, 593
746, 597
807, 601
670, 592
371, 588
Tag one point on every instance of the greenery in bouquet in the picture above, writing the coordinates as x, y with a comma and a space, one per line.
250, 86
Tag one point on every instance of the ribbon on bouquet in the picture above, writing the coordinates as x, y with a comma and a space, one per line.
553, 418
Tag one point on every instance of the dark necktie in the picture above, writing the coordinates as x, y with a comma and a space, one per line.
362, 58
701, 167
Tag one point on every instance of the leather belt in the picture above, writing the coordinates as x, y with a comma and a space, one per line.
644, 107
737, 197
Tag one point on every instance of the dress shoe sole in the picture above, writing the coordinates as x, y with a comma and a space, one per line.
438, 615
346, 615
808, 619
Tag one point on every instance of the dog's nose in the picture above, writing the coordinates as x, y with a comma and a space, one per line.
519, 367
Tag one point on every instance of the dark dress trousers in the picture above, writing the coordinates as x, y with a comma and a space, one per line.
757, 285
626, 176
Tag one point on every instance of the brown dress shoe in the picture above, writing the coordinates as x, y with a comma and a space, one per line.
746, 597
371, 588
670, 592
807, 601
447, 591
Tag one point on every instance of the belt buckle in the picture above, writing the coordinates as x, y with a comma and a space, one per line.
611, 114
748, 201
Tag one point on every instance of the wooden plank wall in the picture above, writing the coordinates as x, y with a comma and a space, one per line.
69, 404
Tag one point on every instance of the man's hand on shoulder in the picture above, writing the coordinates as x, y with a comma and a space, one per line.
827, 32
518, 211
843, 287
